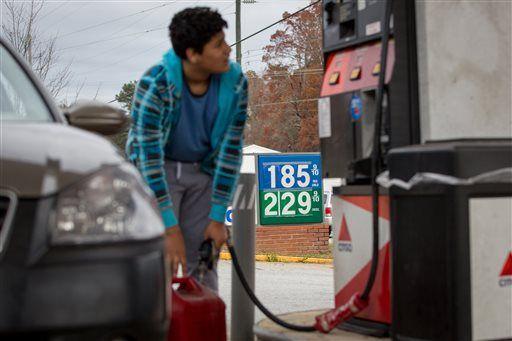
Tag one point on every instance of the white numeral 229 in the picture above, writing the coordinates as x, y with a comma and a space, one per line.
304, 200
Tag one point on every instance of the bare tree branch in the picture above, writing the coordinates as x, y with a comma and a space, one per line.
20, 28
79, 90
97, 91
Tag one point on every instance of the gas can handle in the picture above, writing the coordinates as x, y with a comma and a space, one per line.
179, 280
188, 283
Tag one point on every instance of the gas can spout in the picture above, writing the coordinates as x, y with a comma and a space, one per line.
330, 319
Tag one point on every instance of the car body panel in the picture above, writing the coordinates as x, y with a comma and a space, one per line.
48, 290
40, 159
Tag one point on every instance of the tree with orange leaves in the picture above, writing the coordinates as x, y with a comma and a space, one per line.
283, 100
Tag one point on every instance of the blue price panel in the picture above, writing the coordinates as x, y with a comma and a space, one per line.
290, 189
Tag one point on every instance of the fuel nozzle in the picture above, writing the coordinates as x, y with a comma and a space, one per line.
330, 319
207, 256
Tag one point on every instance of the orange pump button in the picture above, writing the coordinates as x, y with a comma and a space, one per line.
334, 78
376, 69
355, 74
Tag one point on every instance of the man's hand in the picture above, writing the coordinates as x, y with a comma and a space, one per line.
175, 249
216, 231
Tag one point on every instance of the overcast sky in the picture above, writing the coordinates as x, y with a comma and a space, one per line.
129, 50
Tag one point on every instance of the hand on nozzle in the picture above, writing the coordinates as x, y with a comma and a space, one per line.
218, 232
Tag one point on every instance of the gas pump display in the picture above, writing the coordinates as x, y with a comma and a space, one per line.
289, 189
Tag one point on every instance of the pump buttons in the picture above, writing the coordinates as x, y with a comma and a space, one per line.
334, 78
376, 69
355, 74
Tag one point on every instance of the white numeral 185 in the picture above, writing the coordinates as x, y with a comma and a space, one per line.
287, 176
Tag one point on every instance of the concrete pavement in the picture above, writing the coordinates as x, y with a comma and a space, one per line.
284, 287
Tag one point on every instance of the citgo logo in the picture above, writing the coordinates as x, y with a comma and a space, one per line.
506, 273
344, 240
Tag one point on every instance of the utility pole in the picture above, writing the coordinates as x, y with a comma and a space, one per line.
238, 30
238, 33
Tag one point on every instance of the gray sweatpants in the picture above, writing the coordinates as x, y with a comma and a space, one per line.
191, 192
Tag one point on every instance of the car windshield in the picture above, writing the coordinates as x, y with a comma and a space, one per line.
19, 98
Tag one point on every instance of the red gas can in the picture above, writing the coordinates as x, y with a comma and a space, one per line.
197, 313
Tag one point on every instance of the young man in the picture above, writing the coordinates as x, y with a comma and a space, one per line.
188, 114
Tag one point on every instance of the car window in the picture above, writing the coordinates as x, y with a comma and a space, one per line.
19, 98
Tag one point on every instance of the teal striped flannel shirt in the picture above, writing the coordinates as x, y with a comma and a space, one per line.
155, 112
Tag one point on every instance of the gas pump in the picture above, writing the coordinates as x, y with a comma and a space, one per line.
352, 35
352, 32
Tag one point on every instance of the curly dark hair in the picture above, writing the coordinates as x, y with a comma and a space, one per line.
194, 27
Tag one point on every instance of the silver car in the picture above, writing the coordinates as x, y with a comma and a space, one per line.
81, 248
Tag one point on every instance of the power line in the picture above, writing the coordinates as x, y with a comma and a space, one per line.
114, 38
113, 20
131, 24
67, 15
286, 102
108, 50
119, 45
298, 71
295, 71
255, 55
117, 37
110, 39
55, 9
275, 23
124, 59
253, 50
289, 75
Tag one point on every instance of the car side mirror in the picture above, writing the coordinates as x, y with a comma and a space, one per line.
96, 117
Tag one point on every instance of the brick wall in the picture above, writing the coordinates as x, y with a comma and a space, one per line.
292, 240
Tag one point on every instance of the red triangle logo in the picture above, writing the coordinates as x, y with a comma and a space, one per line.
344, 234
507, 267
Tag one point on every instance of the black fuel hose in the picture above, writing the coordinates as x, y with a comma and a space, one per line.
257, 302
376, 153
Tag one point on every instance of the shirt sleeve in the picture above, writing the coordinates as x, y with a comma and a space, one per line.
147, 112
230, 158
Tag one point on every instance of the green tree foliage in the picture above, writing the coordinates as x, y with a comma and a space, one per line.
125, 96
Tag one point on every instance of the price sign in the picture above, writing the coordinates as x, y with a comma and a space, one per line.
290, 189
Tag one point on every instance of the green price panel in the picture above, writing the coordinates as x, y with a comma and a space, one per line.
289, 189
